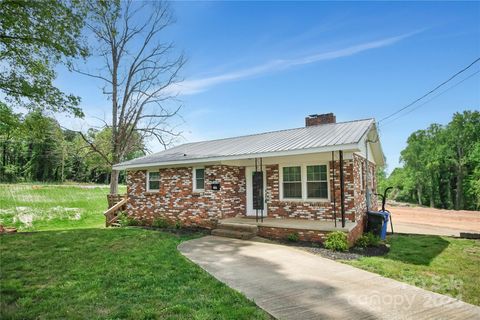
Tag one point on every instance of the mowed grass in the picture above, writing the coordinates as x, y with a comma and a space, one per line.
441, 264
30, 207
110, 274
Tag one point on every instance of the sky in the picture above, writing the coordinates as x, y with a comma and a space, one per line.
262, 66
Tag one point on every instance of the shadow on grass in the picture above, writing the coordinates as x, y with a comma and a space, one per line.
416, 249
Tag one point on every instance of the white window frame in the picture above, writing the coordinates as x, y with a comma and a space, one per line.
148, 181
194, 180
301, 182
304, 182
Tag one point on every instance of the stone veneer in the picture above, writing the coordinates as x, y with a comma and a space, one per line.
176, 201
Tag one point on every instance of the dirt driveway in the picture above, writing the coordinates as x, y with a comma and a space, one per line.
421, 220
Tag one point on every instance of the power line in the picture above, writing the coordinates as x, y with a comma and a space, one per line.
434, 97
431, 91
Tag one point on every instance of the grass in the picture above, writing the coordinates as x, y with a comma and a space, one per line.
52, 207
110, 273
441, 264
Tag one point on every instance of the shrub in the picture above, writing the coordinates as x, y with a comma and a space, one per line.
368, 240
293, 237
125, 220
160, 223
336, 241
178, 224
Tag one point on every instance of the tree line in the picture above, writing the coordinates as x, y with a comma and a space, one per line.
441, 165
34, 147
119, 44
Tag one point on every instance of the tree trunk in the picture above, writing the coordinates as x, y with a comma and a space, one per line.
419, 195
459, 190
459, 186
114, 182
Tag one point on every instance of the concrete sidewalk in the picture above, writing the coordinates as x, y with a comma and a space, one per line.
293, 284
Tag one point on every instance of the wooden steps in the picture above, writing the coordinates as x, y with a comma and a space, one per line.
235, 230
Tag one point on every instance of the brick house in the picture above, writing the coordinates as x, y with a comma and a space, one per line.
310, 181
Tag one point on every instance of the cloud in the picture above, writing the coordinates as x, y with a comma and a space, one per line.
189, 87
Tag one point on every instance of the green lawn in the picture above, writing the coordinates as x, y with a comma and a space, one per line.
48, 207
441, 264
110, 273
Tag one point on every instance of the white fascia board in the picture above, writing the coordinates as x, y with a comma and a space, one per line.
345, 147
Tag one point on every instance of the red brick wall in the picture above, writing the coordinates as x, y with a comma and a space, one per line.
360, 166
176, 200
312, 210
283, 233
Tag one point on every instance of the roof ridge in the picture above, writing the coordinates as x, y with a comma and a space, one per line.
267, 132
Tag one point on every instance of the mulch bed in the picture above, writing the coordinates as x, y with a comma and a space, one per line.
352, 254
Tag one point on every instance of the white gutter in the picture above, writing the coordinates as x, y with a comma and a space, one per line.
345, 147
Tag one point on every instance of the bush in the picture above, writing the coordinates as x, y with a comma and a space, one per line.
336, 241
125, 220
178, 224
368, 240
160, 223
293, 237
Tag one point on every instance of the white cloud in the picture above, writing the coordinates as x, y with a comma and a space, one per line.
194, 86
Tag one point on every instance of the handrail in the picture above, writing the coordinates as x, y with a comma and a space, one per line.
108, 214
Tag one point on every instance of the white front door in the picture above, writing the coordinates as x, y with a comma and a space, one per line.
249, 172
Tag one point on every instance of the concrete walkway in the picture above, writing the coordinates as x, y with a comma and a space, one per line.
292, 284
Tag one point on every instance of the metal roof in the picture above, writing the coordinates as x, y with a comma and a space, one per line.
294, 141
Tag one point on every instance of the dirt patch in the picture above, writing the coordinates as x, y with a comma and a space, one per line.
422, 220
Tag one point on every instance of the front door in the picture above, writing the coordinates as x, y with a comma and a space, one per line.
256, 183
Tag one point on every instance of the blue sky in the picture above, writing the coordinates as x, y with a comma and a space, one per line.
261, 66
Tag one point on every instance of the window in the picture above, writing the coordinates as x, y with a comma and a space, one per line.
292, 182
199, 179
317, 185
153, 181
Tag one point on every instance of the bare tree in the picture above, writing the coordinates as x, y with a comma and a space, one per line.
138, 71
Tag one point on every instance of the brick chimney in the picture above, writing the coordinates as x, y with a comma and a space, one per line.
316, 119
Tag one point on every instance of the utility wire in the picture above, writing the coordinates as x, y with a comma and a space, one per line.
433, 98
431, 91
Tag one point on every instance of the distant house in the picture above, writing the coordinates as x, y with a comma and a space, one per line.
310, 181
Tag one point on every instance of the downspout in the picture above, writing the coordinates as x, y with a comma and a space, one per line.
342, 189
367, 191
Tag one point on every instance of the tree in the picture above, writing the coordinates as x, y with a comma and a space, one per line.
138, 71
34, 37
463, 135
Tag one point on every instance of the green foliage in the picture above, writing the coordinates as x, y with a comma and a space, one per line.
368, 240
441, 165
293, 237
178, 224
110, 274
35, 148
336, 241
34, 37
441, 264
161, 223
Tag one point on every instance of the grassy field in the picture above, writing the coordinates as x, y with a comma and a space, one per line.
110, 274
48, 207
440, 264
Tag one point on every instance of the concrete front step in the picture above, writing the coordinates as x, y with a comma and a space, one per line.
233, 234
237, 227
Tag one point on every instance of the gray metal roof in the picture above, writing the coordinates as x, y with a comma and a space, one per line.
264, 144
